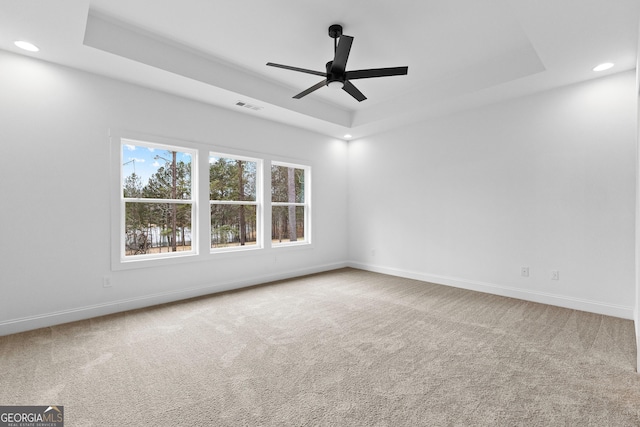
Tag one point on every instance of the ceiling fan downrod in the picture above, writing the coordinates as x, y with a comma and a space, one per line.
335, 31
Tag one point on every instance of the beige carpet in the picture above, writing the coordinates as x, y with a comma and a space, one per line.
339, 349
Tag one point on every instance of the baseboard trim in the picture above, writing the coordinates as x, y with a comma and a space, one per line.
29, 323
624, 312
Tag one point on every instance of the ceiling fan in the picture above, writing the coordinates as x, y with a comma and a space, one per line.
336, 75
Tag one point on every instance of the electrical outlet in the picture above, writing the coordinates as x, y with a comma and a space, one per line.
524, 271
106, 282
555, 275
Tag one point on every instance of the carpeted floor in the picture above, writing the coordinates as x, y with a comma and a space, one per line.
344, 348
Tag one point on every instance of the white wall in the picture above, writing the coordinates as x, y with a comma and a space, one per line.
55, 221
546, 181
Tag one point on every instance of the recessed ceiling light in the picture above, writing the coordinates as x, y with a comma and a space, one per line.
348, 136
603, 67
26, 46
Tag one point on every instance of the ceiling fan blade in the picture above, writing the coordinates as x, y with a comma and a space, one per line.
377, 72
302, 70
342, 54
353, 91
311, 89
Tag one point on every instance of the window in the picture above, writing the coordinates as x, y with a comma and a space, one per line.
234, 187
177, 202
290, 213
157, 205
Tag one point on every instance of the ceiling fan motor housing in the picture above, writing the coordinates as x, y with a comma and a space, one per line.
333, 76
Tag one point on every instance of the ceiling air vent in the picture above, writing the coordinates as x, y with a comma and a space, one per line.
249, 106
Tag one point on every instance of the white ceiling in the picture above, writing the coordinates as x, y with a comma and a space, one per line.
460, 53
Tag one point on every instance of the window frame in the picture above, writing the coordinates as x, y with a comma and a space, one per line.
306, 204
193, 201
258, 203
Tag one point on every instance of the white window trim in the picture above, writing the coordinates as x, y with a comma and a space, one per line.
259, 203
306, 204
169, 146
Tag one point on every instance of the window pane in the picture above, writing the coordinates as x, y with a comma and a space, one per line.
155, 173
232, 179
287, 184
287, 224
233, 225
152, 228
